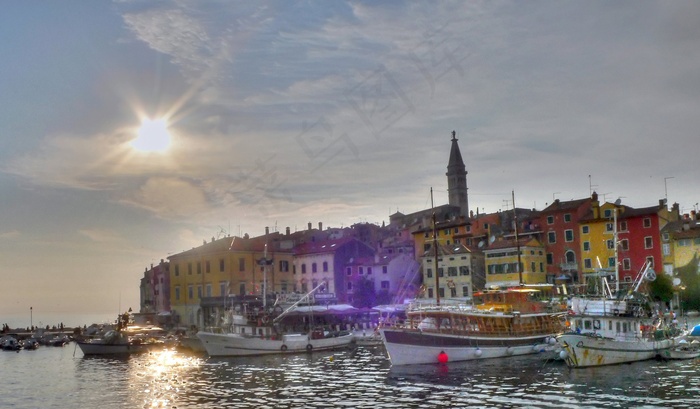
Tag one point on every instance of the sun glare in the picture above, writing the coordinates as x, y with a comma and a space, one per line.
152, 136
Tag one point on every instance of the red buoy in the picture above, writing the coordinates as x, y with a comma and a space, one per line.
442, 357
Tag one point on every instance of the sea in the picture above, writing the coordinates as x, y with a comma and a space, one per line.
355, 377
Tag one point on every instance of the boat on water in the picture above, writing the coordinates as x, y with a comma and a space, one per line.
500, 323
684, 350
125, 339
264, 331
617, 327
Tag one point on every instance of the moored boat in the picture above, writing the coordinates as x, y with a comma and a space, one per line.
502, 323
123, 340
616, 328
684, 350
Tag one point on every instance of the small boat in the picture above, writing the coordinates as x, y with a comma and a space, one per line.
120, 341
695, 332
30, 344
613, 329
692, 313
684, 350
10, 343
501, 324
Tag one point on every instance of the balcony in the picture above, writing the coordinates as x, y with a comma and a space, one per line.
572, 266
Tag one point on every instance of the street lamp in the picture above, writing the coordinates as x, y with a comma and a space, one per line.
31, 318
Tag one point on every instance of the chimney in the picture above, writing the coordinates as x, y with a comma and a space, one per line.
267, 230
693, 215
288, 231
212, 239
309, 225
320, 226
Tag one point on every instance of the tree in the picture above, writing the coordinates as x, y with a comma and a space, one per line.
690, 297
661, 289
364, 295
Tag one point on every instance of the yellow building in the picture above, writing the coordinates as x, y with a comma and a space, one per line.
502, 263
224, 267
685, 242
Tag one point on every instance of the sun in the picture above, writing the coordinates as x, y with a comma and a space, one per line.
152, 136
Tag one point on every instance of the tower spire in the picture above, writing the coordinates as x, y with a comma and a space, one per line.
457, 178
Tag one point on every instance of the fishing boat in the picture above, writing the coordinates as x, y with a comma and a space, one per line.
266, 332
616, 327
501, 323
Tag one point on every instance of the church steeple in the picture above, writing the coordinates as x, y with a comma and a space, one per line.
457, 178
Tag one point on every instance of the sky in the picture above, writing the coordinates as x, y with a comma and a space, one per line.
283, 113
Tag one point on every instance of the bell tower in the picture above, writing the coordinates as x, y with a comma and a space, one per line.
457, 179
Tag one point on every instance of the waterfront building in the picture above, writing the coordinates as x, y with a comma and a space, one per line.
459, 271
511, 263
155, 292
638, 238
324, 261
684, 240
559, 223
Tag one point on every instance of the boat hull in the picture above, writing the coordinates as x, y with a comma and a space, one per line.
94, 348
586, 350
217, 344
412, 347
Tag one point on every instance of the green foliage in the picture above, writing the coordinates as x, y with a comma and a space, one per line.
661, 289
364, 295
690, 297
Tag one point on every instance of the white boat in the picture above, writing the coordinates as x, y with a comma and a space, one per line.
684, 350
264, 332
506, 323
609, 329
124, 340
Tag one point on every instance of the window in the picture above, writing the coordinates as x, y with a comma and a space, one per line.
430, 293
190, 292
586, 246
610, 244
683, 242
568, 236
541, 267
441, 291
189, 268
550, 219
207, 266
429, 272
650, 260
648, 242
666, 248
465, 291
607, 213
624, 244
303, 268
221, 265
550, 259
385, 269
369, 270
199, 292
325, 266
199, 268
241, 264
452, 271
441, 272
177, 292
585, 229
208, 290
284, 265
222, 288
385, 285
608, 227
552, 237
646, 222
177, 270
665, 236
464, 270
532, 266
349, 286
348, 270
453, 292
587, 263
626, 264
361, 270
313, 267
567, 218
611, 262
623, 225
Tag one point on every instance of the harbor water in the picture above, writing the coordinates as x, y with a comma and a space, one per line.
357, 377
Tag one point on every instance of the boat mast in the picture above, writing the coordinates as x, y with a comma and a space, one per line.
517, 241
435, 250
617, 271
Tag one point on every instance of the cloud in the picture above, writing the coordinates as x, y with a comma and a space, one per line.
12, 234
